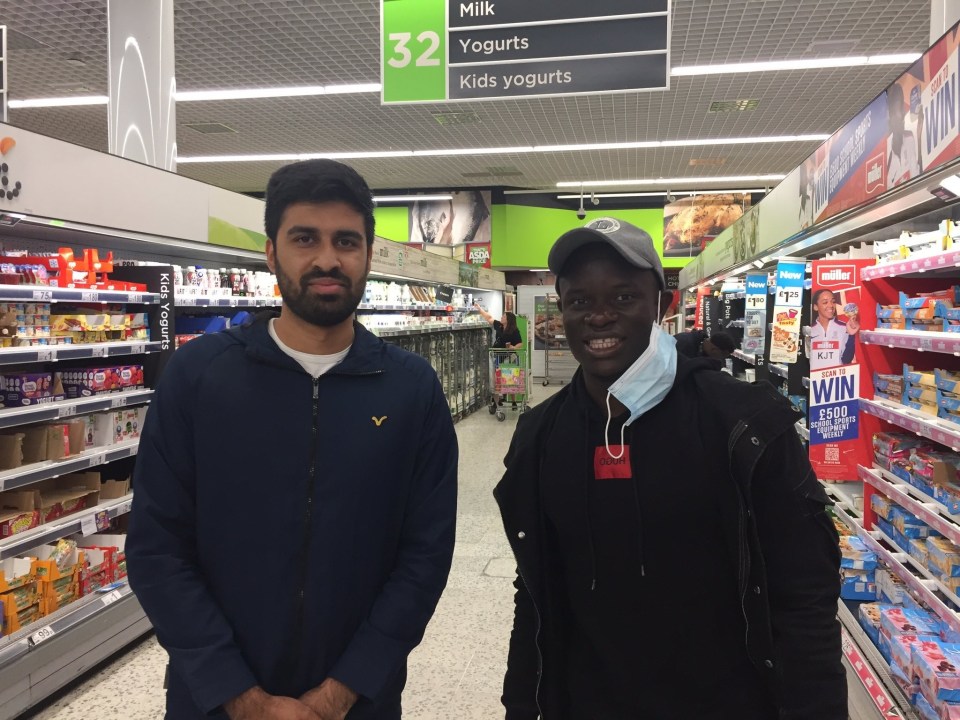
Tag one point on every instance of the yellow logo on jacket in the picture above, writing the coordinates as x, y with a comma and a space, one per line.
378, 421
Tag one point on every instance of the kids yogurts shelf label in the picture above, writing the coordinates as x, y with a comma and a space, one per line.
835, 377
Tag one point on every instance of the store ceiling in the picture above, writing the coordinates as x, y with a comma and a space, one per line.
229, 44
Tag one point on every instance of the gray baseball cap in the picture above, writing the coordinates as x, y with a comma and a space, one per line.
634, 244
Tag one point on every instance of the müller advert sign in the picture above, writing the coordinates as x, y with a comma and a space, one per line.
439, 50
835, 373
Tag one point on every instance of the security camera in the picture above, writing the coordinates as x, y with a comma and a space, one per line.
594, 199
581, 214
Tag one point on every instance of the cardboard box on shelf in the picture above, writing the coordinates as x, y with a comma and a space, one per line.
68, 494
944, 557
114, 545
100, 429
18, 512
55, 594
17, 621
76, 434
15, 573
23, 389
11, 451
45, 442
57, 562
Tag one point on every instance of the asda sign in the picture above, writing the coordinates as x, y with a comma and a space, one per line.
439, 50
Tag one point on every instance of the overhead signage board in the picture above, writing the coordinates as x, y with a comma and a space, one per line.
439, 50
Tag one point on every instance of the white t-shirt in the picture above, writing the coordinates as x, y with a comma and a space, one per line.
827, 346
316, 365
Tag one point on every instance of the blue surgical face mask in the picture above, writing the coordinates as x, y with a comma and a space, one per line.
645, 383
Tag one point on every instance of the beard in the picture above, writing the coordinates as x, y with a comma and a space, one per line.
317, 309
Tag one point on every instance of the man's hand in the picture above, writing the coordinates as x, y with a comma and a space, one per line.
255, 704
331, 701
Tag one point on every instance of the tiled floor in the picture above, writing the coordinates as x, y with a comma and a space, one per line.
456, 672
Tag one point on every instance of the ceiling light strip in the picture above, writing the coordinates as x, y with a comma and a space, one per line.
805, 64
729, 179
384, 199
59, 102
662, 193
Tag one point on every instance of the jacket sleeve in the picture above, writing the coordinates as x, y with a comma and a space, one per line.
520, 683
849, 350
802, 557
162, 554
395, 626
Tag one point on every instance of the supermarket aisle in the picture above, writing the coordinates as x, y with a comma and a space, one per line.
456, 672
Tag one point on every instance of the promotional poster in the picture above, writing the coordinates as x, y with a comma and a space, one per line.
786, 311
755, 319
691, 222
478, 254
463, 219
835, 373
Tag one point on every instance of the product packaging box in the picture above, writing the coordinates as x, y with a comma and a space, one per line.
919, 552
113, 544
881, 506
855, 555
18, 512
944, 557
936, 664
902, 647
890, 588
100, 429
68, 494
869, 617
900, 621
57, 562
909, 685
24, 389
858, 585
15, 573
88, 382
45, 442
114, 489
909, 525
55, 594
11, 451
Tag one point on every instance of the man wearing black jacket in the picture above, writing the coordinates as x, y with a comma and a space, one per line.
674, 556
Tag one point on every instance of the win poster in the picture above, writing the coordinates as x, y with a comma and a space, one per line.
836, 377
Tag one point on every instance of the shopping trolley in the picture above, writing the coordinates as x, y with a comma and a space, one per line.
509, 379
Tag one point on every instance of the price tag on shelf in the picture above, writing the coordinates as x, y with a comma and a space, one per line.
46, 355
88, 525
67, 411
756, 302
136, 298
111, 597
43, 295
89, 296
138, 349
99, 351
118, 401
124, 507
186, 301
98, 459
44, 633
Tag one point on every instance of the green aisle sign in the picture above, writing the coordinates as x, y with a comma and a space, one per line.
414, 46
439, 50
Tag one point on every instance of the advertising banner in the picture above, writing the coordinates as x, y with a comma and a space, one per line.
691, 223
478, 254
786, 311
755, 319
465, 218
836, 377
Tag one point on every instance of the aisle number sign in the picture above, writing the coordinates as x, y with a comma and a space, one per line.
440, 50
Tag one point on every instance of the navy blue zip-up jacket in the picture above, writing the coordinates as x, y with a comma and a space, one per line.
285, 529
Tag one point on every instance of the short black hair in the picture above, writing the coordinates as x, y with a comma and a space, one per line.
317, 181
723, 341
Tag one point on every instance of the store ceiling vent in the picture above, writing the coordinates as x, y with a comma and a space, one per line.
707, 162
72, 87
495, 171
209, 128
718, 106
457, 118
829, 48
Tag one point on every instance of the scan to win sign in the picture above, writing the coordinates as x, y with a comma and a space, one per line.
836, 374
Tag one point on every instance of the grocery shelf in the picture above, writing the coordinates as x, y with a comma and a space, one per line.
94, 457
74, 639
408, 306
802, 430
37, 293
866, 664
72, 524
11, 417
931, 580
233, 301
947, 261
52, 353
779, 370
748, 358
940, 342
401, 332
941, 431
924, 507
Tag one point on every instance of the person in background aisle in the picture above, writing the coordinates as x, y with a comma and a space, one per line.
291, 535
647, 484
507, 332
695, 343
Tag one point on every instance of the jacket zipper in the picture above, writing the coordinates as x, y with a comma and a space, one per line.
536, 641
308, 512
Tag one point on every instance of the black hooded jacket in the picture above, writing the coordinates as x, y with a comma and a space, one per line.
780, 551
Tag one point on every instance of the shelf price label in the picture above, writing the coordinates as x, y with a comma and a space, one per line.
98, 459
88, 526
135, 298
46, 355
89, 296
138, 349
43, 295
100, 352
67, 411
44, 633
118, 402
111, 597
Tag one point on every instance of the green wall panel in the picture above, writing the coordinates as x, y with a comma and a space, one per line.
393, 222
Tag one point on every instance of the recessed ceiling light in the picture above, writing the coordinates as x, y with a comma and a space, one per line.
209, 128
733, 105
707, 162
59, 102
75, 61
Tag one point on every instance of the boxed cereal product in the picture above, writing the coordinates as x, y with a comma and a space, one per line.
919, 552
907, 524
935, 664
855, 555
891, 588
944, 557
901, 621
901, 650
881, 505
909, 685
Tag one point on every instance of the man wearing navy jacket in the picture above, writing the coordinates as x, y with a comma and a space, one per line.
295, 490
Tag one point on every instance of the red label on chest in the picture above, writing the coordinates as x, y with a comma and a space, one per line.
612, 465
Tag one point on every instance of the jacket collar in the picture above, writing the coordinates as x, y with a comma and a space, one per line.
366, 356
